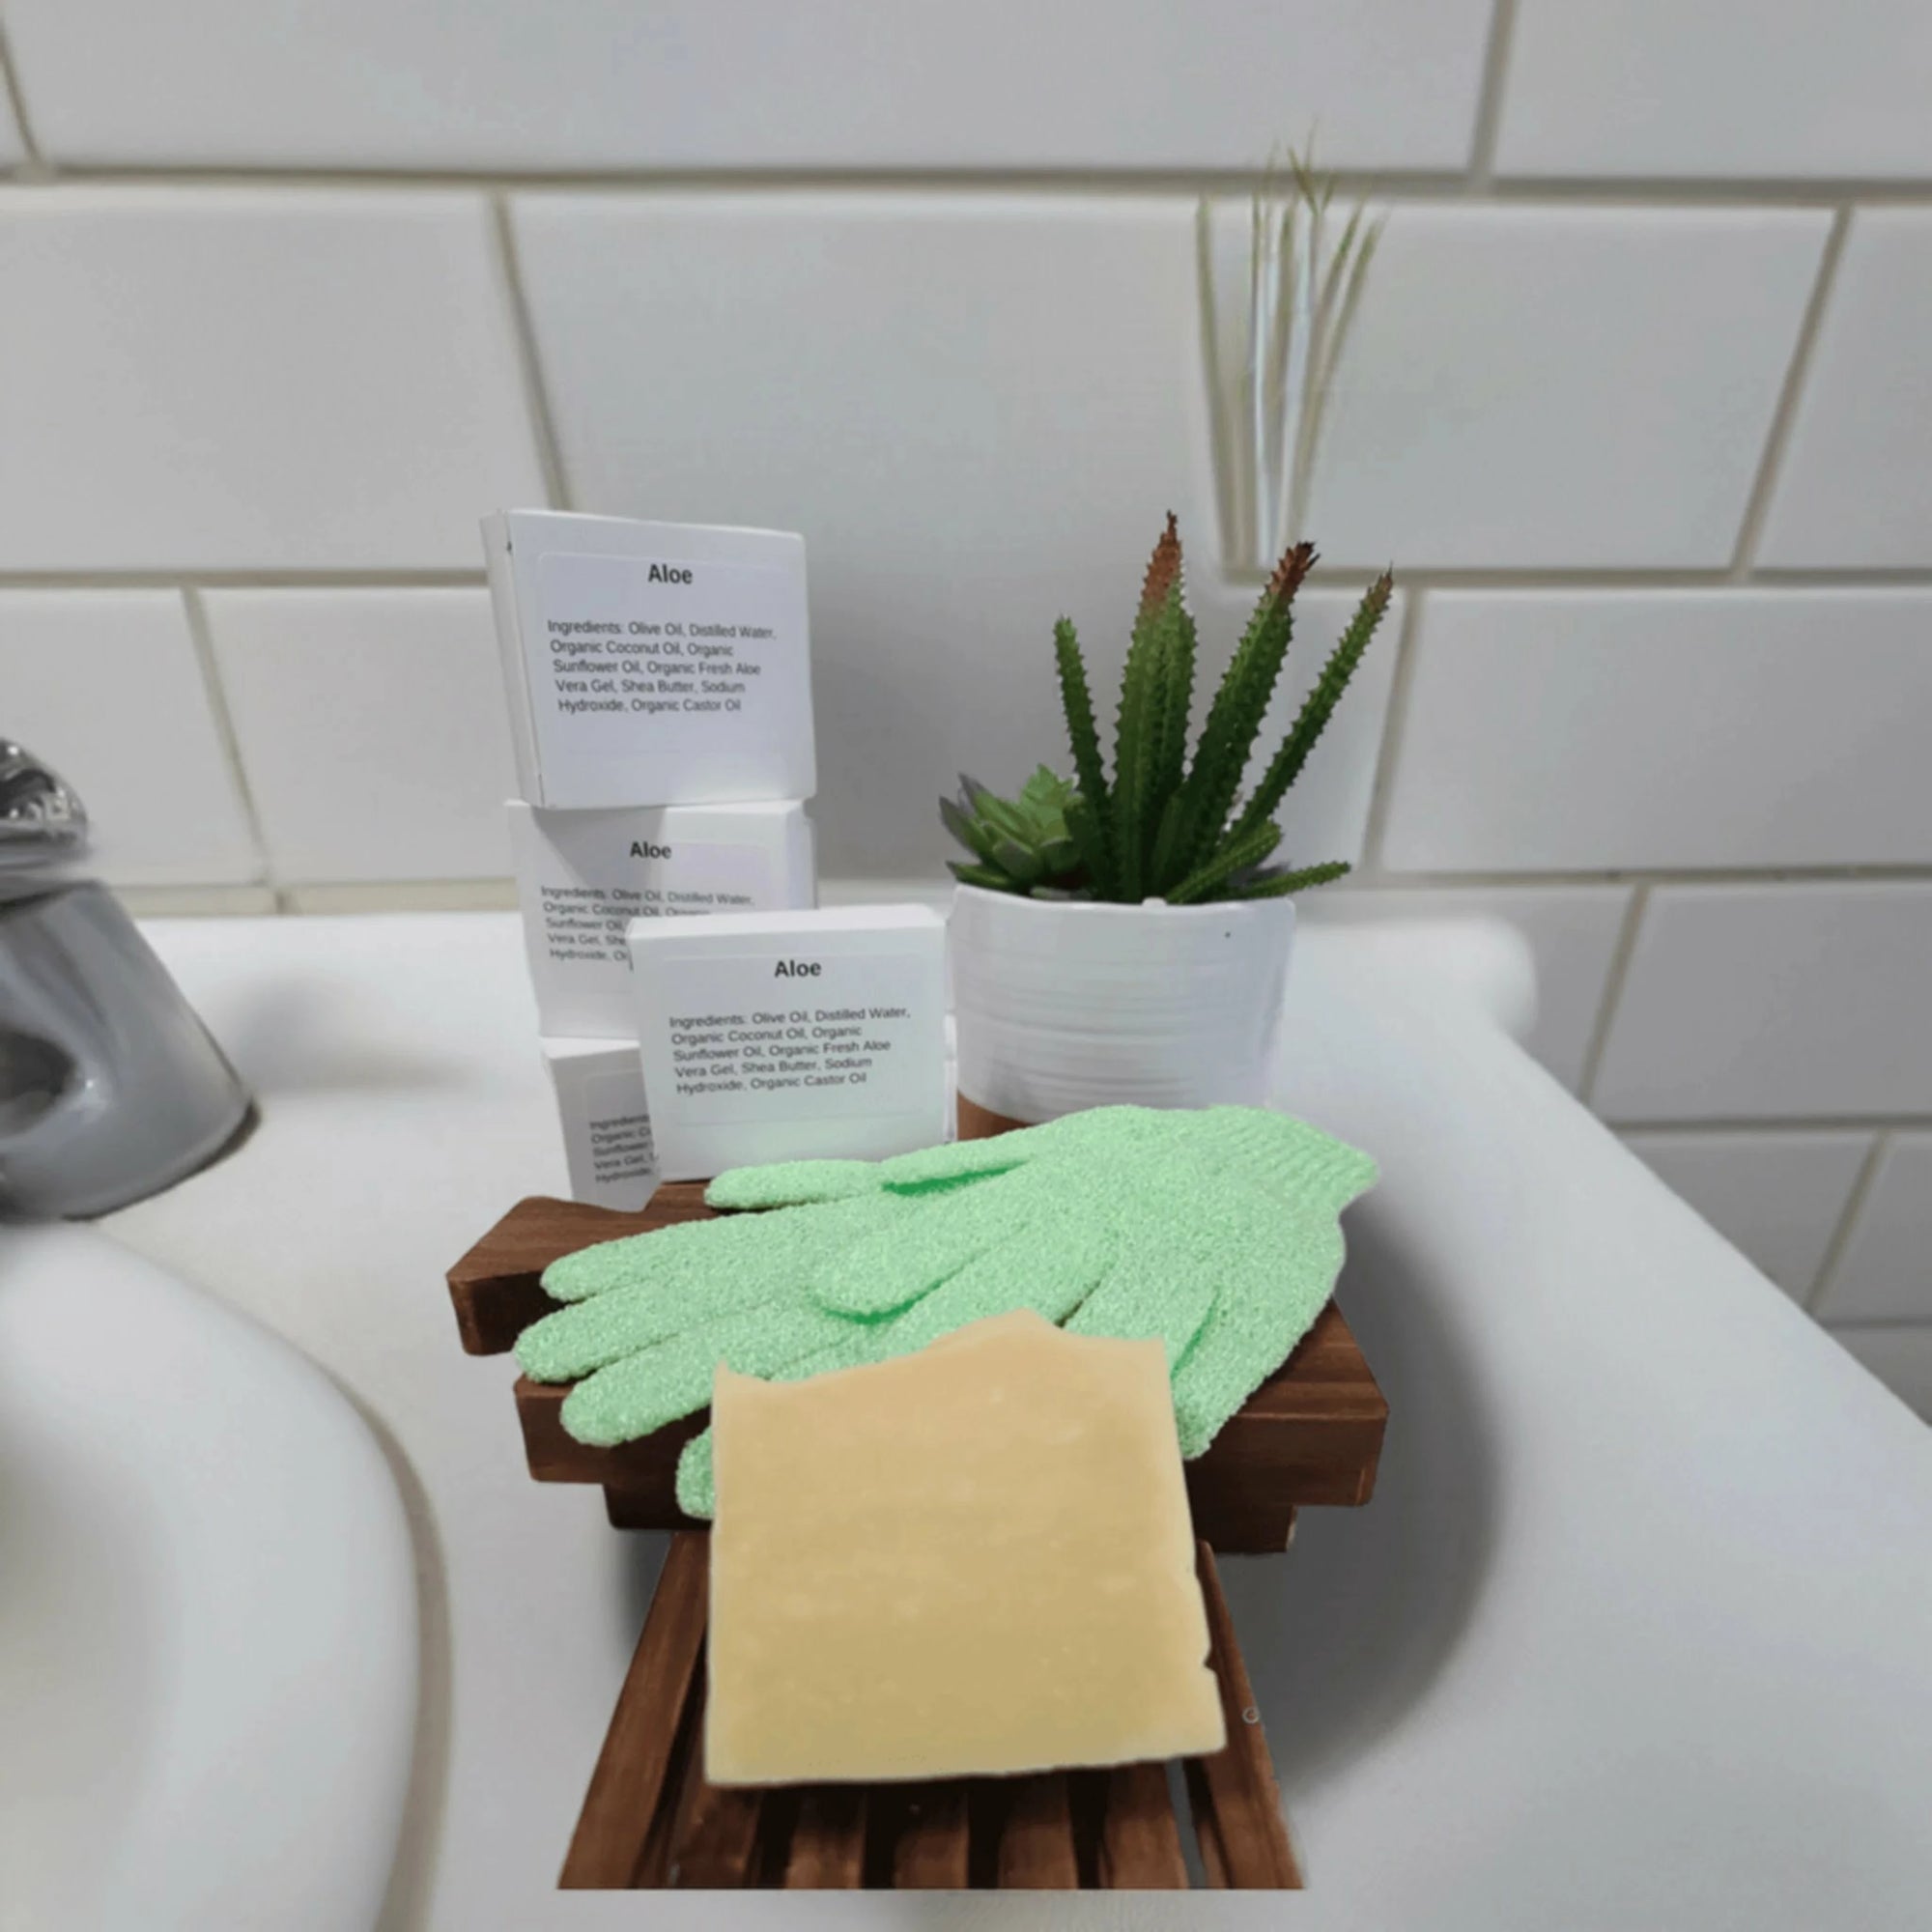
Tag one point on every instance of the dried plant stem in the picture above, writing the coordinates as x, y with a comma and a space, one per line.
1268, 410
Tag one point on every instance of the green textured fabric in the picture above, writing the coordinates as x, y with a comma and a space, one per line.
1216, 1231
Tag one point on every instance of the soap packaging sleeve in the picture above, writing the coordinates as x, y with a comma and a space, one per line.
791, 1035
652, 663
584, 876
607, 1128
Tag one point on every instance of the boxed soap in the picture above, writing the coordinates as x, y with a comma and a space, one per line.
652, 663
791, 1035
584, 876
607, 1128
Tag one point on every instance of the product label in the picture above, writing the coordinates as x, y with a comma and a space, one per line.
585, 923
617, 1131
640, 655
780, 1033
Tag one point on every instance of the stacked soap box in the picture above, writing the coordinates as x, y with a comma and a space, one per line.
660, 710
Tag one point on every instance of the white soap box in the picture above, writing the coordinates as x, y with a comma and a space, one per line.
607, 1127
652, 663
791, 1035
584, 876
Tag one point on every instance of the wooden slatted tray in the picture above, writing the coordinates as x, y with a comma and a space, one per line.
650, 1820
1311, 1433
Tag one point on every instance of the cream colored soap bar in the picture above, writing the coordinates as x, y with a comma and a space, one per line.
973, 1559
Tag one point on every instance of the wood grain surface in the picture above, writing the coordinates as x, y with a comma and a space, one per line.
650, 1818
621, 1837
1137, 1836
1237, 1815
1311, 1433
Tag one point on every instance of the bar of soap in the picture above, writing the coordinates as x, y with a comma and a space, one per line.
976, 1559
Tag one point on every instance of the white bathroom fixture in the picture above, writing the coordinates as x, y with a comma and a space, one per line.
208, 1612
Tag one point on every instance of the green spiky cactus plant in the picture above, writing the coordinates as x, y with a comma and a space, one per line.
1163, 825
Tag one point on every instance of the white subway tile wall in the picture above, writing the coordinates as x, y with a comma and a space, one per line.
1856, 486
1717, 88
1636, 403
1764, 1002
607, 84
242, 379
1900, 1356
375, 733
1586, 730
1562, 387
106, 686
1778, 1195
1885, 1273
1572, 932
977, 409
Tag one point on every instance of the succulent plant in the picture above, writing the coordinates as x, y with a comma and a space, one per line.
1018, 843
1162, 825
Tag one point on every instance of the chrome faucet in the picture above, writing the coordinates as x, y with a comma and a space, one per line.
110, 1087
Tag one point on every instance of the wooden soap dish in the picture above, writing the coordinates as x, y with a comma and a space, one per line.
1311, 1433
650, 1820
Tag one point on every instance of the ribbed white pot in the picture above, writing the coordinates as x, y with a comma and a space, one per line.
1064, 1005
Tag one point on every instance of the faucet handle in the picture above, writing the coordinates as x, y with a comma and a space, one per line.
41, 818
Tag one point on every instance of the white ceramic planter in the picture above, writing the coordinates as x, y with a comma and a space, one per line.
1064, 1005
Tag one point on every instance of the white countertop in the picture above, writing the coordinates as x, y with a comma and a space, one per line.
1634, 1634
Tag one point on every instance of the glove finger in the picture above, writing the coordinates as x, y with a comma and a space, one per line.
787, 1183
688, 1247
934, 1238
1160, 1285
1050, 1270
645, 1287
959, 1160
1262, 1310
594, 1334
677, 1279
642, 1393
792, 1184
696, 1489
1050, 1275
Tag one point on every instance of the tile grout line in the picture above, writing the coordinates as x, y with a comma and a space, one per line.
530, 365
1778, 438
1609, 581
1621, 955
1868, 1325
1490, 98
1381, 786
325, 578
1415, 579
1609, 578
36, 168
1770, 873
1773, 1123
226, 734
1847, 1222
1452, 182
1385, 887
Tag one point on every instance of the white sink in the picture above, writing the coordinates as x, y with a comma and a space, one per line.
207, 1618
1633, 1633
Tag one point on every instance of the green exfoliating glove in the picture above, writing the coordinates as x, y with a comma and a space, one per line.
1216, 1231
